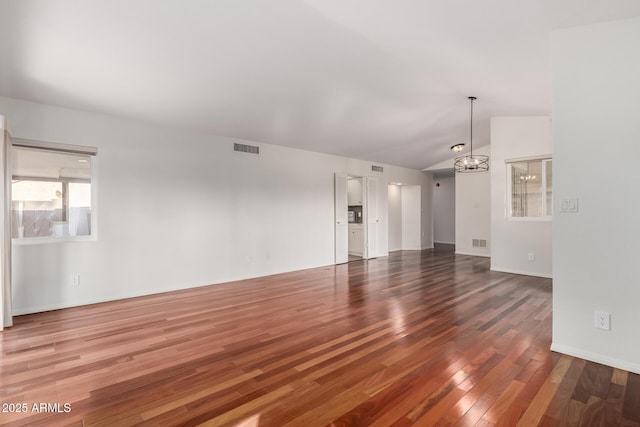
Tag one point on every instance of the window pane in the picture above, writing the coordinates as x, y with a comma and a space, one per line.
79, 209
37, 205
527, 196
51, 193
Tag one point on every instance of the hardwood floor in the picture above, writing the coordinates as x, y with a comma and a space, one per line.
418, 338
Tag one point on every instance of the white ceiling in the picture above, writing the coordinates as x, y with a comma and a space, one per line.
385, 81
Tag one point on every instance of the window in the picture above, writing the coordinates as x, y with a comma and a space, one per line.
529, 189
51, 192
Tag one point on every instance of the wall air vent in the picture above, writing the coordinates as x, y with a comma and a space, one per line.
479, 243
244, 148
376, 168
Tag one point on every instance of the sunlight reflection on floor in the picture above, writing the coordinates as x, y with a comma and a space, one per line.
253, 421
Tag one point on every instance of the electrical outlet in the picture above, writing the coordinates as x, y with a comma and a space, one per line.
75, 280
531, 256
603, 320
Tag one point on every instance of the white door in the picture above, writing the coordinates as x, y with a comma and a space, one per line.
341, 222
373, 219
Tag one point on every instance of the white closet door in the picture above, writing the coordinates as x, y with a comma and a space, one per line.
373, 219
341, 221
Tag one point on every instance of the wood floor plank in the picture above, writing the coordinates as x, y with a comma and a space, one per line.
631, 405
595, 380
416, 338
540, 402
619, 377
594, 413
574, 414
613, 405
500, 405
558, 407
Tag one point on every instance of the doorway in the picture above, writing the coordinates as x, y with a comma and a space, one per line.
356, 218
362, 207
405, 229
444, 210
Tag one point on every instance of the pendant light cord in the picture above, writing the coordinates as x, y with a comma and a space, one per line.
471, 126
470, 163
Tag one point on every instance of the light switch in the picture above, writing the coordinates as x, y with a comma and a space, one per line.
569, 205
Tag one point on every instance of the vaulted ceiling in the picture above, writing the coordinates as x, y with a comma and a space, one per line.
385, 81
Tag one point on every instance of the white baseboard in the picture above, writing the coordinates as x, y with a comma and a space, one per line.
521, 272
596, 357
410, 249
472, 254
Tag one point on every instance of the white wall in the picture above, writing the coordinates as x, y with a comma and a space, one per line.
513, 240
411, 217
444, 210
179, 209
597, 139
406, 218
395, 217
473, 210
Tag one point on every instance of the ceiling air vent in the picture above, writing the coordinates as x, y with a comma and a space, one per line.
479, 243
376, 168
244, 148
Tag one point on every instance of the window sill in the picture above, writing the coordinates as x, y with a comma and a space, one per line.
28, 241
530, 218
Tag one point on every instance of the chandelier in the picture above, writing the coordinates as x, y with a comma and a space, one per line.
471, 163
457, 148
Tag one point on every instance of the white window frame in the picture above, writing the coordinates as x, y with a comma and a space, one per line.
92, 152
509, 178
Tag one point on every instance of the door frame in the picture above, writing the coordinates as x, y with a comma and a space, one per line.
367, 253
